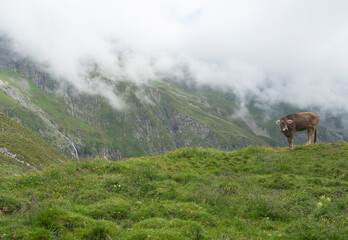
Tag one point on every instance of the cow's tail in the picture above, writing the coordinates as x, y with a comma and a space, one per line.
315, 135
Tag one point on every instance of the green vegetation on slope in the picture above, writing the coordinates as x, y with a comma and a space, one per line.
178, 118
159, 117
202, 106
253, 193
20, 150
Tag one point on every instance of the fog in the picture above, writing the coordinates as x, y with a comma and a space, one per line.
292, 51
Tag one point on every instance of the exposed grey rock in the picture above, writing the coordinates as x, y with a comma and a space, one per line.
26, 67
7, 153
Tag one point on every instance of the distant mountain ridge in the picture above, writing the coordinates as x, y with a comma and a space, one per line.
96, 129
160, 116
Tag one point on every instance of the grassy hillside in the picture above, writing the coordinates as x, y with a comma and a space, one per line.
159, 117
21, 151
253, 193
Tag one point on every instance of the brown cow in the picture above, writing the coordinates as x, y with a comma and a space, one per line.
298, 122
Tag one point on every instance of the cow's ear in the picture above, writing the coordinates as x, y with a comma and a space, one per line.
289, 121
278, 122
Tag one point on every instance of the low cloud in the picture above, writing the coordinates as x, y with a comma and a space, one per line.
292, 51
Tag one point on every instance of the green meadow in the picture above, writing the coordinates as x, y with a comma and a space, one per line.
252, 193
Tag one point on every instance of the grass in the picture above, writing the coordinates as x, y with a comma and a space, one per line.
26, 146
253, 193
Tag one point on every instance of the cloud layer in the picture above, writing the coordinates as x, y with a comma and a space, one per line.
293, 51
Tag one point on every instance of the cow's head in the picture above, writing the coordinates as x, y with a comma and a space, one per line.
284, 124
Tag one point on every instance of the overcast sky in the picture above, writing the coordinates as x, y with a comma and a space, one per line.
295, 51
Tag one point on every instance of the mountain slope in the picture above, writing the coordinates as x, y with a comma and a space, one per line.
21, 151
170, 118
253, 193
159, 116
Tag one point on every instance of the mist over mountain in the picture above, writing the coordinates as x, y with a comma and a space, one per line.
289, 51
131, 78
157, 117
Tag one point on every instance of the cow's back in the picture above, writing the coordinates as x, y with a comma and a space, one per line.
304, 120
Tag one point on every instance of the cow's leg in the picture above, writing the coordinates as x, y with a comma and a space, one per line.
315, 135
290, 141
310, 134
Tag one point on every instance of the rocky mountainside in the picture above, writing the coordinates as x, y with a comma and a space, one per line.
84, 125
159, 116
